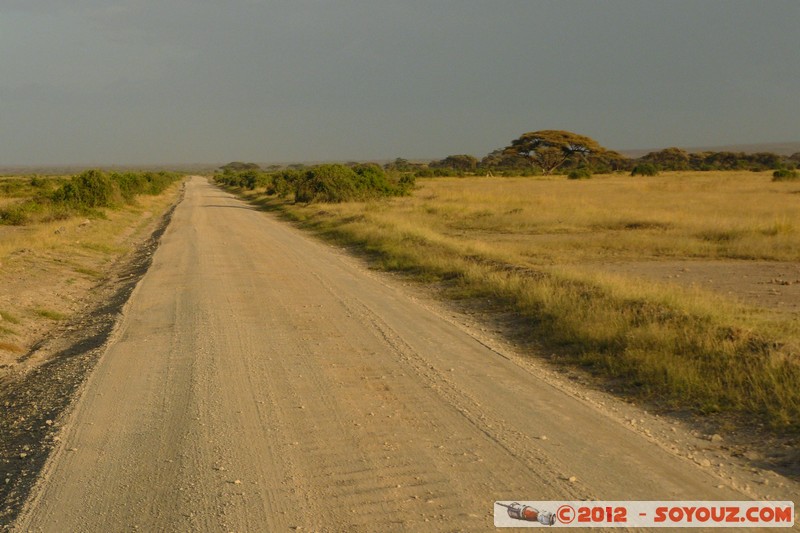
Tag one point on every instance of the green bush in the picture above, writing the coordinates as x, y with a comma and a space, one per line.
282, 183
246, 179
15, 214
372, 181
406, 184
645, 169
580, 174
326, 183
90, 189
785, 174
85, 193
130, 184
94, 188
443, 172
331, 183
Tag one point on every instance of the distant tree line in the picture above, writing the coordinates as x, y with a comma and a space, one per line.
563, 152
534, 153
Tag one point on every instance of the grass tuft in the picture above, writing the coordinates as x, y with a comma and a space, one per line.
8, 317
49, 314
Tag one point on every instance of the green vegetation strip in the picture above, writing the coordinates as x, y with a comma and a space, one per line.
47, 199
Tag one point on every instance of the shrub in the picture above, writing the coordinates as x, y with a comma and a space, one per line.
15, 215
406, 184
371, 180
157, 182
129, 184
94, 188
282, 183
87, 190
580, 174
645, 169
435, 173
785, 174
246, 178
331, 183
326, 183
85, 193
339, 183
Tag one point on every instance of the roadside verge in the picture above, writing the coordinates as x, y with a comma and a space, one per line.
35, 401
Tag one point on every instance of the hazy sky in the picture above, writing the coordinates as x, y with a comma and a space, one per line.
181, 81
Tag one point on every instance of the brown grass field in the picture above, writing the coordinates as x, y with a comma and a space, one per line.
565, 257
49, 270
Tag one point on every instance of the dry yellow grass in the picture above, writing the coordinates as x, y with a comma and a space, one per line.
47, 269
556, 221
100, 235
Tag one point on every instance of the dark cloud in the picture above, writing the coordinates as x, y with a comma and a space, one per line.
350, 79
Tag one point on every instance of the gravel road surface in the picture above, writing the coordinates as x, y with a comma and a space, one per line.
261, 381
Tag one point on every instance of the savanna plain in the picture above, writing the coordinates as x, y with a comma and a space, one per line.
673, 297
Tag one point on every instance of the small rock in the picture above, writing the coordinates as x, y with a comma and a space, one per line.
716, 437
237, 482
543, 437
572, 479
705, 463
23, 455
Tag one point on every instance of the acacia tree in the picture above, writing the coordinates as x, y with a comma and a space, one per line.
550, 149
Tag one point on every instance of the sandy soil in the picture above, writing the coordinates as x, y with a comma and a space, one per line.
769, 284
39, 279
260, 381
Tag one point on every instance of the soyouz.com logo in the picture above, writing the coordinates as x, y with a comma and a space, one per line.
644, 514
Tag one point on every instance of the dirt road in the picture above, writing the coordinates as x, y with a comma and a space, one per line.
261, 381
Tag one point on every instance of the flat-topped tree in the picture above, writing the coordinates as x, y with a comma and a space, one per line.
550, 149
